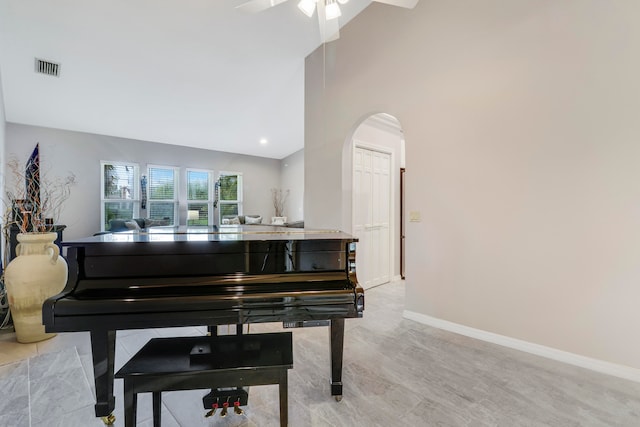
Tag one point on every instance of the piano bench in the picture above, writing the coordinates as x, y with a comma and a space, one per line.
188, 363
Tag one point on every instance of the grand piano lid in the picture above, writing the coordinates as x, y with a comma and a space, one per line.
184, 233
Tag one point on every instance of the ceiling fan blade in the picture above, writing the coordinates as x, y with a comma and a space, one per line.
409, 4
329, 28
254, 6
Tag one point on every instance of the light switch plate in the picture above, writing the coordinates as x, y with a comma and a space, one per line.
414, 216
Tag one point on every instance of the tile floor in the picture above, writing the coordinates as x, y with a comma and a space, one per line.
397, 373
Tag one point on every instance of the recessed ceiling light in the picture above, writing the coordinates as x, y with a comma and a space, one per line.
263, 141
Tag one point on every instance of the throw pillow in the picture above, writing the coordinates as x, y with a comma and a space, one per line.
132, 225
253, 219
234, 220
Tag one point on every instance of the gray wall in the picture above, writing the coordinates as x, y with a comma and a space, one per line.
62, 152
292, 179
521, 128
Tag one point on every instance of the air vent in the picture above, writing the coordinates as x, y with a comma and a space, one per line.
47, 67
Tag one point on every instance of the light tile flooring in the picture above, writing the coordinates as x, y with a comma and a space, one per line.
397, 373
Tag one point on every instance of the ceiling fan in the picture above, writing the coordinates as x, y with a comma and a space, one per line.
328, 12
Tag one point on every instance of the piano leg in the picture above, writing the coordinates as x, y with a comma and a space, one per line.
337, 346
103, 349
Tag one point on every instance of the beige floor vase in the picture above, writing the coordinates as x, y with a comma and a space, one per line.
37, 273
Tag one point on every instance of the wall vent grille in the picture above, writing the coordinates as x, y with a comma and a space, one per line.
47, 67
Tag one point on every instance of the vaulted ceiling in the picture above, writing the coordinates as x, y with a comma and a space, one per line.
198, 73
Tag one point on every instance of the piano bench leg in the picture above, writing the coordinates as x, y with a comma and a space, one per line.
284, 398
157, 408
130, 404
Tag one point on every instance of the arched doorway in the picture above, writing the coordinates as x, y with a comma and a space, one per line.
377, 153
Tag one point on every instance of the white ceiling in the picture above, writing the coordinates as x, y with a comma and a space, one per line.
197, 73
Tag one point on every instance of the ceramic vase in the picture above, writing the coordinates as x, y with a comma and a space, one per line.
37, 273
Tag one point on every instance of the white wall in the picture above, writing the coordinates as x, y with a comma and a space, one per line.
521, 128
292, 179
62, 152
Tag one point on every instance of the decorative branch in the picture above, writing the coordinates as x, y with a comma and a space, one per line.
279, 198
31, 215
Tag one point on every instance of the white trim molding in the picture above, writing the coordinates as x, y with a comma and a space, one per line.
597, 365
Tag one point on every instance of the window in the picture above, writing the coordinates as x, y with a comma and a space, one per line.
163, 194
230, 194
199, 197
119, 196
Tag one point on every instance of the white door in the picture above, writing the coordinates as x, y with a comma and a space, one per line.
371, 215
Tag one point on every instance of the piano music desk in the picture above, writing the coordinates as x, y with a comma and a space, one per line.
166, 364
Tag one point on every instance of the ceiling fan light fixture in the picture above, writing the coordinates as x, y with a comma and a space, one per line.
307, 7
332, 11
343, 1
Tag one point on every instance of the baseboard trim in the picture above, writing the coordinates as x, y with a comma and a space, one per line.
597, 365
396, 278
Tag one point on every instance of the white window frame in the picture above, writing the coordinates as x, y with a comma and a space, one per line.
135, 193
176, 183
210, 195
239, 202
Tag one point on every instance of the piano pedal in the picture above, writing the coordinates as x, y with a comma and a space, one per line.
213, 410
229, 394
236, 408
109, 420
225, 408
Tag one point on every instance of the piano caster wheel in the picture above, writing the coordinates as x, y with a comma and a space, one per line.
338, 398
109, 420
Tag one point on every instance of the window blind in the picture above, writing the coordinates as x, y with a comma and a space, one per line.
162, 184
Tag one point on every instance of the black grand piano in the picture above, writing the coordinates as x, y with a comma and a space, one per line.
192, 276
